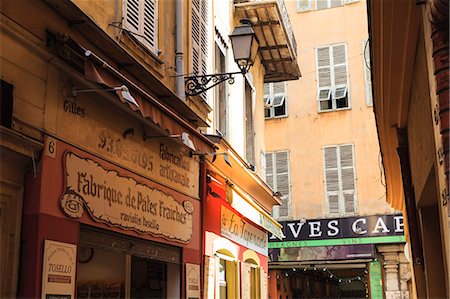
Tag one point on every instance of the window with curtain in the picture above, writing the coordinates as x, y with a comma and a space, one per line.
340, 181
332, 78
278, 178
140, 17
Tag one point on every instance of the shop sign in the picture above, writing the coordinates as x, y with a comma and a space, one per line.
123, 202
192, 281
58, 271
341, 231
322, 253
242, 232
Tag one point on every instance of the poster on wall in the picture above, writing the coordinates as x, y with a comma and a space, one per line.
58, 270
192, 281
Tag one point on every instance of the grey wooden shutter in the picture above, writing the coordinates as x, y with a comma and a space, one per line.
303, 5
282, 181
324, 78
367, 74
331, 179
269, 170
348, 177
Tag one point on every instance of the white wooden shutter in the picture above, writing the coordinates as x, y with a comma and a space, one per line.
339, 65
264, 287
348, 177
140, 18
303, 5
367, 74
262, 163
321, 4
324, 77
149, 23
282, 181
331, 179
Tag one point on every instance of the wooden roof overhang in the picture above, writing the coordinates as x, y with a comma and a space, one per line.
277, 45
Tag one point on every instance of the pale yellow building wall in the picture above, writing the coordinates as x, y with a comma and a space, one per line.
305, 131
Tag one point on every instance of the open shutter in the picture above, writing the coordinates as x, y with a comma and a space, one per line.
367, 74
331, 179
303, 5
245, 279
348, 177
140, 17
324, 78
282, 181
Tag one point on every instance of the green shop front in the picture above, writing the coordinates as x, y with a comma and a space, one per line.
351, 257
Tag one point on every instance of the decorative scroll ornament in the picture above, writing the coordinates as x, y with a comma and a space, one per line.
195, 85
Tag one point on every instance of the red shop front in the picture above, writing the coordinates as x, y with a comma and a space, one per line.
236, 228
93, 229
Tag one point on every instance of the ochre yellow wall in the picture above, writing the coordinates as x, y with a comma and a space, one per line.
305, 131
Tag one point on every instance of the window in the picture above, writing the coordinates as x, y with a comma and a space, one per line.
6, 103
141, 18
323, 4
227, 275
275, 100
199, 36
332, 78
221, 98
303, 5
222, 278
277, 177
367, 73
340, 179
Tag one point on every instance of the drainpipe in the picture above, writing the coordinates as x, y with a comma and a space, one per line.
179, 48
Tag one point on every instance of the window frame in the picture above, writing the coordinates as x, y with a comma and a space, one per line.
341, 192
333, 86
139, 34
269, 102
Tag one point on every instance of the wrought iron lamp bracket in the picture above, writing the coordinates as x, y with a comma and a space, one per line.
195, 85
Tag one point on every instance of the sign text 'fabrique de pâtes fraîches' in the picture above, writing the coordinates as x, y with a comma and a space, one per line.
123, 202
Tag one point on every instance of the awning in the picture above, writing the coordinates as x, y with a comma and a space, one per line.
100, 75
245, 205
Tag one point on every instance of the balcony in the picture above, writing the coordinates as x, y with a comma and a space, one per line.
277, 44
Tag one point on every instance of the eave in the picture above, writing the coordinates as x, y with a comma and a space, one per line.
277, 45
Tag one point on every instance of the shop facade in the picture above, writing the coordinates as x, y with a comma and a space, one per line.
352, 257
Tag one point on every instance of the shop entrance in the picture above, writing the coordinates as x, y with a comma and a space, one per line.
117, 266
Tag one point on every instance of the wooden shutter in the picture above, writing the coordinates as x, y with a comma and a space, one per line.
199, 36
331, 179
321, 4
149, 21
245, 279
367, 74
282, 181
340, 65
140, 17
269, 170
348, 177
132, 16
303, 5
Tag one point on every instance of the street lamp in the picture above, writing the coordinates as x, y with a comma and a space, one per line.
245, 47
